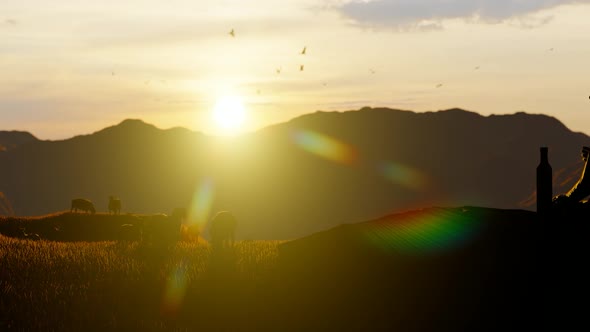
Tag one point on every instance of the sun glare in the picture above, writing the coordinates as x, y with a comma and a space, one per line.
229, 114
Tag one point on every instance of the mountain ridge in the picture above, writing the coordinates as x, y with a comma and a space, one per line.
12, 139
313, 172
139, 124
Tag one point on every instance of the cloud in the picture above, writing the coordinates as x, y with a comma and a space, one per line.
404, 14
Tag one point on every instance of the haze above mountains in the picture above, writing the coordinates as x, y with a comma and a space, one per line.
299, 177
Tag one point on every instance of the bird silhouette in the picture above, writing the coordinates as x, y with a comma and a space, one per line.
476, 68
439, 85
551, 49
372, 71
304, 50
301, 68
232, 33
279, 70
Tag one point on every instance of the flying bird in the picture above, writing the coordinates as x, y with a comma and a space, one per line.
476, 68
301, 68
551, 49
232, 33
304, 50
439, 85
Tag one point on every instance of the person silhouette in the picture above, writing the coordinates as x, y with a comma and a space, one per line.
581, 189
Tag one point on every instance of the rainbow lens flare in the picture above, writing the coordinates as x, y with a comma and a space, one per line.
403, 175
324, 146
433, 230
202, 202
175, 290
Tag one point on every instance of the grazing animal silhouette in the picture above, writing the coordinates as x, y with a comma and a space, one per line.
82, 205
160, 229
222, 230
114, 205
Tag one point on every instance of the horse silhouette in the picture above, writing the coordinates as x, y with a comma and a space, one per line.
114, 205
222, 230
82, 204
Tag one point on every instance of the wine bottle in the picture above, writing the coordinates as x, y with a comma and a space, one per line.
544, 183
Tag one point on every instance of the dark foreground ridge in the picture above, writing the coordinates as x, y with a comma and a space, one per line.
451, 269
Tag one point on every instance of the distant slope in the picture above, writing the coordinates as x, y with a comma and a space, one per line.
296, 178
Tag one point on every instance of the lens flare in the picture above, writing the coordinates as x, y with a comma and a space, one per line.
202, 202
421, 232
324, 146
403, 175
175, 290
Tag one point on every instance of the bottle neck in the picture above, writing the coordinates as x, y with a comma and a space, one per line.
544, 155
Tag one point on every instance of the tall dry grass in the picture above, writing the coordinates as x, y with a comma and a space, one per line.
102, 286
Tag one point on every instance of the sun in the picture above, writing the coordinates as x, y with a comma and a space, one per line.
229, 114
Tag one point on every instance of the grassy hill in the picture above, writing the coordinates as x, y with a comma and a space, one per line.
436, 269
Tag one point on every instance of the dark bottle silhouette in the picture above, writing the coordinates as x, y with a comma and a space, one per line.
544, 183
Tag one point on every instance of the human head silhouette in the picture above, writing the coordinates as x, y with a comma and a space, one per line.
585, 152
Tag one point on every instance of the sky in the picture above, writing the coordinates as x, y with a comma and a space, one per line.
70, 67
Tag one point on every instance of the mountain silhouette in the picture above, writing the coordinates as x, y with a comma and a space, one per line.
11, 139
292, 179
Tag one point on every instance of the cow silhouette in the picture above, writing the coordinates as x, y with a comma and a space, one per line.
114, 205
81, 204
222, 230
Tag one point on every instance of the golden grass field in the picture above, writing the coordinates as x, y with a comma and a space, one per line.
83, 286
